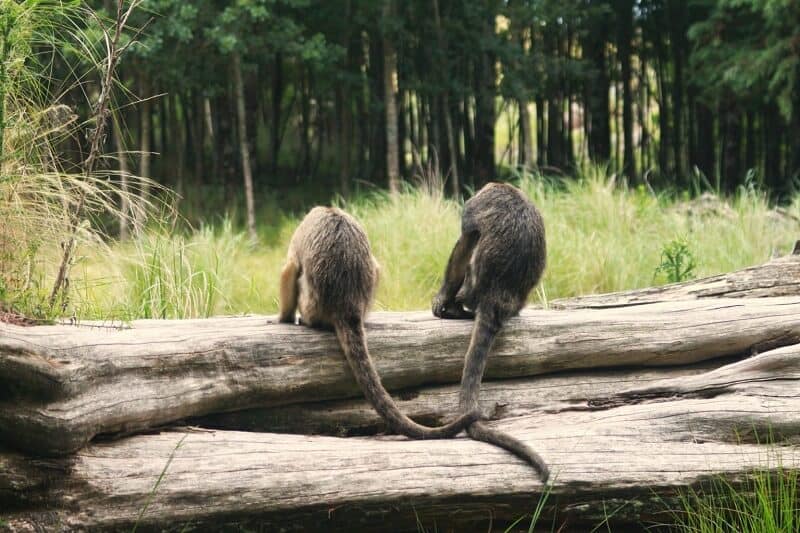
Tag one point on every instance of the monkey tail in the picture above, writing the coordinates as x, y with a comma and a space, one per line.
487, 325
350, 333
482, 432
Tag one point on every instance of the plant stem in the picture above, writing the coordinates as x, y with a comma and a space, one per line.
101, 112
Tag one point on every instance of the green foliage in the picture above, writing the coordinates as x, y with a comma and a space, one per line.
766, 502
748, 48
677, 261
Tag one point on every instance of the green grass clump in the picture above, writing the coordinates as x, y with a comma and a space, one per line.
764, 503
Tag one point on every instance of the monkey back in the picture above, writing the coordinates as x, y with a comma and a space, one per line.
510, 254
335, 260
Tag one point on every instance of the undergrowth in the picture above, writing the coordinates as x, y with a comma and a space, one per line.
602, 236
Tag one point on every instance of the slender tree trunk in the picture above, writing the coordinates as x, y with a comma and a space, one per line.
455, 186
600, 130
177, 146
390, 102
485, 111
277, 99
345, 139
569, 145
196, 120
624, 40
750, 141
644, 97
526, 137
378, 164
706, 142
541, 146
773, 132
677, 16
244, 150
731, 151
794, 169
124, 173
145, 132
663, 99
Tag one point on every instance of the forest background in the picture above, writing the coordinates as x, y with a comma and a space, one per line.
615, 117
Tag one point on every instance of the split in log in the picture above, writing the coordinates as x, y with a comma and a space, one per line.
499, 399
150, 375
633, 449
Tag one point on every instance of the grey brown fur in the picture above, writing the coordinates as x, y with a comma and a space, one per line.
495, 264
330, 276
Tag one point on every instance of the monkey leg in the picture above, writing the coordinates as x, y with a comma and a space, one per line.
444, 304
288, 292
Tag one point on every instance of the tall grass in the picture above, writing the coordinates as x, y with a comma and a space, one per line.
44, 202
602, 236
764, 503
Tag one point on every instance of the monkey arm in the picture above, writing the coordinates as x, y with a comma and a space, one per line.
444, 304
288, 292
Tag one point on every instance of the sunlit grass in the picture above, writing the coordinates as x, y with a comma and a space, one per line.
602, 236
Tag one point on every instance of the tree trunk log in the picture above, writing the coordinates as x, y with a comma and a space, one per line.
63, 385
630, 452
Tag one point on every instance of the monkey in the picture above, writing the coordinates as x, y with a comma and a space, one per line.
498, 259
330, 277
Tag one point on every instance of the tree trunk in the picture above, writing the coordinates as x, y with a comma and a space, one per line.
244, 150
598, 104
145, 133
455, 182
277, 99
731, 145
677, 16
793, 172
527, 160
706, 142
638, 445
624, 40
484, 110
124, 174
390, 82
772, 130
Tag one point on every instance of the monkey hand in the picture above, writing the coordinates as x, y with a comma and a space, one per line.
286, 319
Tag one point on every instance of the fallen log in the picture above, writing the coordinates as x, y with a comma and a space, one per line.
70, 384
626, 454
778, 277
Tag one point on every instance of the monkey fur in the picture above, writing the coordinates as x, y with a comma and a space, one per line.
330, 276
496, 262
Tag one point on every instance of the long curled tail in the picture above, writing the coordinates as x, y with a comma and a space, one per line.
486, 327
480, 431
350, 333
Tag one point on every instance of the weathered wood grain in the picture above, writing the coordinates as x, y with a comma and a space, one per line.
632, 449
96, 382
436, 405
779, 277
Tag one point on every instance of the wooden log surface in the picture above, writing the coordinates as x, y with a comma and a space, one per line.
155, 373
626, 452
